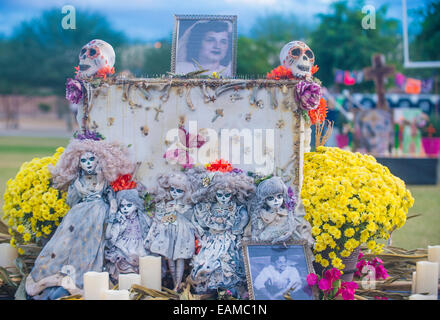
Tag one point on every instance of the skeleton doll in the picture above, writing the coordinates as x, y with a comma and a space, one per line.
172, 234
299, 58
220, 217
96, 59
126, 234
85, 169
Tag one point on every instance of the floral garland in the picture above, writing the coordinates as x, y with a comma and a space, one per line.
350, 199
33, 208
307, 93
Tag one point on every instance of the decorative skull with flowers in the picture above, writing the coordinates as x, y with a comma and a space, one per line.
299, 58
96, 59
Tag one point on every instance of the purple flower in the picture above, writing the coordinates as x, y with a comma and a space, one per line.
291, 200
90, 135
237, 170
74, 90
308, 95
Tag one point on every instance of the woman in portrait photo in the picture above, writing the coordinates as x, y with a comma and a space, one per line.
206, 44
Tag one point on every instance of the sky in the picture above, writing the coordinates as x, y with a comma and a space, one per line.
150, 20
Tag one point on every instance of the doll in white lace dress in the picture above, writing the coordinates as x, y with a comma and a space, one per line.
126, 234
220, 217
172, 235
273, 219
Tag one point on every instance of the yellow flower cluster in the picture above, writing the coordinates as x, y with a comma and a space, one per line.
349, 200
31, 205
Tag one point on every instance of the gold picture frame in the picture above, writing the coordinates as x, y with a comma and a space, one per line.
270, 252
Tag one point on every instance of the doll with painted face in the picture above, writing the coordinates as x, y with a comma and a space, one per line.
221, 215
172, 235
85, 169
126, 234
273, 219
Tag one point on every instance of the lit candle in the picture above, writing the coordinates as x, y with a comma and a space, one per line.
427, 277
8, 254
95, 283
150, 268
127, 280
413, 285
434, 255
116, 295
422, 297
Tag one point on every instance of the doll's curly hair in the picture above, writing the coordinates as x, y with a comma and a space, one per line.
239, 184
113, 160
175, 179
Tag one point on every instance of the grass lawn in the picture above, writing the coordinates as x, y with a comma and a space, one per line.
416, 233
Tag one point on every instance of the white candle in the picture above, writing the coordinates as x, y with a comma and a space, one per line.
422, 297
8, 254
413, 285
150, 268
434, 255
95, 283
116, 295
427, 277
129, 279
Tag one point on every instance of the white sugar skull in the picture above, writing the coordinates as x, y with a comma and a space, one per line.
127, 207
97, 55
299, 58
275, 201
223, 196
88, 162
176, 193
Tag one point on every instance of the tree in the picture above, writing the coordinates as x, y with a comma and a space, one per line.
426, 44
259, 53
158, 59
40, 54
340, 42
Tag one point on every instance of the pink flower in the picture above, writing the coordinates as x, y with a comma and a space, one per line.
381, 298
325, 285
332, 275
308, 95
347, 290
361, 255
381, 272
312, 279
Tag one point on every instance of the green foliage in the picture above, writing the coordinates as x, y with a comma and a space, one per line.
426, 44
44, 107
41, 54
260, 54
434, 120
158, 60
340, 41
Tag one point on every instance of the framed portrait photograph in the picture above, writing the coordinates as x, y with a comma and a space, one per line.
273, 271
204, 42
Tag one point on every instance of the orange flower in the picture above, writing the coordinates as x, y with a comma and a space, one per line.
104, 71
123, 183
315, 69
220, 165
319, 114
279, 73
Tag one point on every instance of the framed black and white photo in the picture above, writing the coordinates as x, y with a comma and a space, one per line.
273, 271
205, 42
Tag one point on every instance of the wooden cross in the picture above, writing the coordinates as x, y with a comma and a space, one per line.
430, 130
379, 72
158, 110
